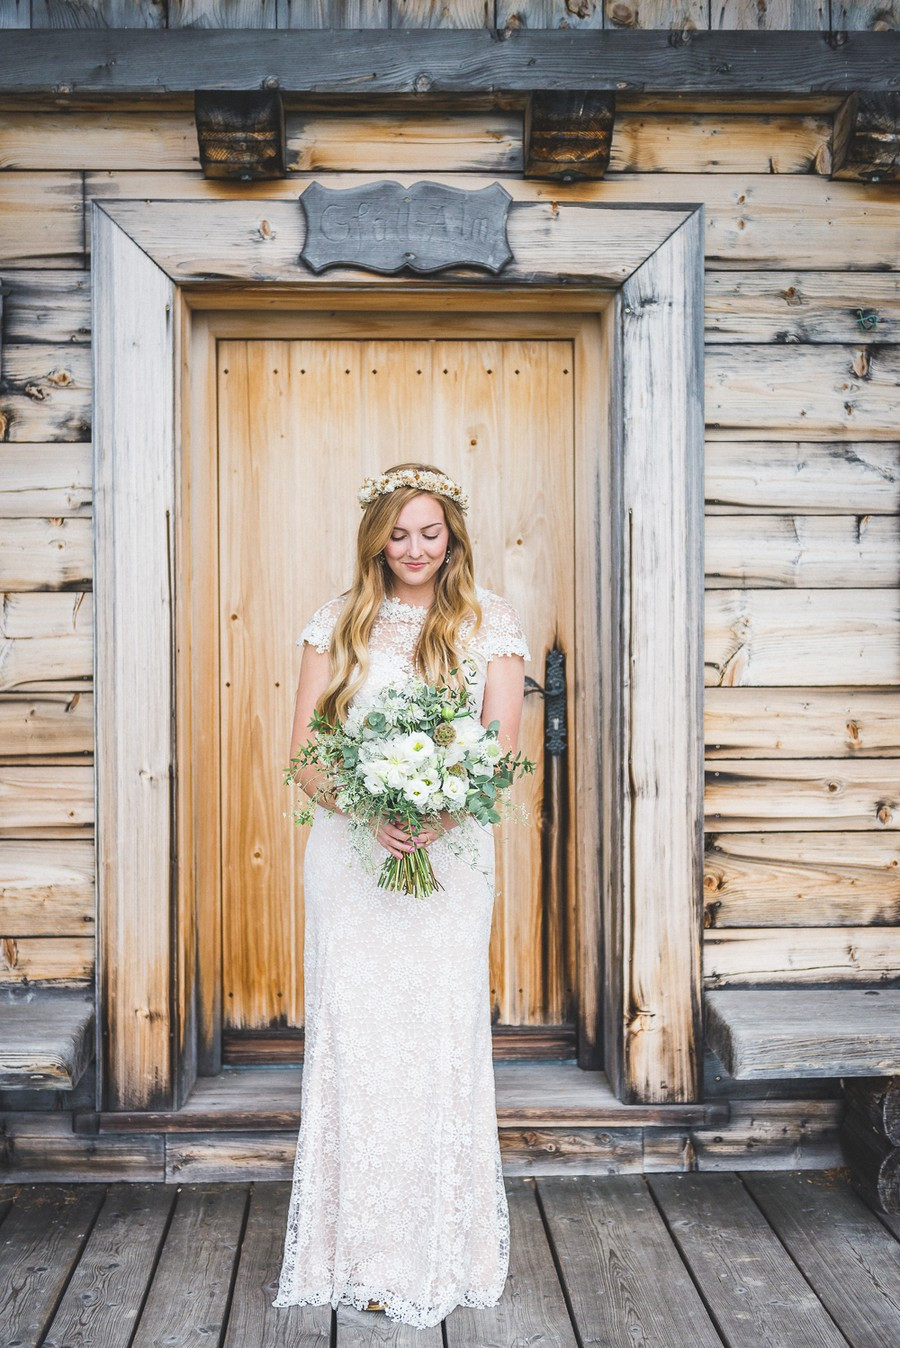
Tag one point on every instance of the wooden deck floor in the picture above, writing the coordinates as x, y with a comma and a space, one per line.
757, 1259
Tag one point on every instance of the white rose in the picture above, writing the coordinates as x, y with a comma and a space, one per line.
374, 785
417, 791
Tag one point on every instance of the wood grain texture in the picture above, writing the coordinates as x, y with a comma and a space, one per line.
802, 793
783, 476
48, 1041
67, 961
671, 142
484, 396
334, 13
622, 1275
842, 1249
47, 306
251, 1316
243, 14
801, 879
423, 14
42, 1238
800, 956
827, 552
116, 1265
795, 1134
810, 723
41, 220
449, 61
802, 638
804, 1032
778, 15
45, 640
661, 508
390, 142
674, 15
262, 242
47, 889
752, 1287
745, 213
35, 797
46, 554
46, 393
82, 140
823, 306
45, 728
189, 1295
72, 14
48, 480
548, 14
814, 391
133, 507
15, 13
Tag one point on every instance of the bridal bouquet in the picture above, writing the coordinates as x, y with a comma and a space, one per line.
410, 755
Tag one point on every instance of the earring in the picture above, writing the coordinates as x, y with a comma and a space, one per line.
447, 558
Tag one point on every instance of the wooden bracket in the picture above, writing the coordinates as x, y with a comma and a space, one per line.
241, 135
568, 135
865, 142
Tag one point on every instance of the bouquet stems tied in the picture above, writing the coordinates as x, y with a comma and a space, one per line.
412, 873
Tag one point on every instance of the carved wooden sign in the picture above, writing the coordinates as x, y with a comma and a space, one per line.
386, 227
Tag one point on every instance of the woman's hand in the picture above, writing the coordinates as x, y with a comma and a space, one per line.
394, 838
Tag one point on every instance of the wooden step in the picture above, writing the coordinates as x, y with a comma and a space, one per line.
764, 1033
46, 1039
529, 1095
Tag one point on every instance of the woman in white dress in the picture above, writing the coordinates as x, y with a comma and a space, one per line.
398, 1200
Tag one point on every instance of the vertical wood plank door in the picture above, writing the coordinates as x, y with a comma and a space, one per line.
300, 423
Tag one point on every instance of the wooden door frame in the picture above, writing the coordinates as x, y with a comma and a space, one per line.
157, 266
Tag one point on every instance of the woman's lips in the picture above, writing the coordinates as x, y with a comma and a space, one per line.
414, 566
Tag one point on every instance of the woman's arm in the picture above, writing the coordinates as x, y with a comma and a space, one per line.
315, 672
504, 693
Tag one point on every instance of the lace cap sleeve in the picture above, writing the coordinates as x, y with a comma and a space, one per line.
321, 625
501, 631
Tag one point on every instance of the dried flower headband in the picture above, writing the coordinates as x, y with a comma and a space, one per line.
435, 484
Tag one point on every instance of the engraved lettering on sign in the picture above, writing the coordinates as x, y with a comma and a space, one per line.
386, 227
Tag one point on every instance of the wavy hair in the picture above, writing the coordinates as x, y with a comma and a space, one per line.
437, 649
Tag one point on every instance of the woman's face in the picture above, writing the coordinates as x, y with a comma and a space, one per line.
418, 544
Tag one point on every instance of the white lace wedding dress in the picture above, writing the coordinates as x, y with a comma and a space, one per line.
397, 1191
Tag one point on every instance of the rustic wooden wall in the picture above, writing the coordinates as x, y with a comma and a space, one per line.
697, 14
802, 534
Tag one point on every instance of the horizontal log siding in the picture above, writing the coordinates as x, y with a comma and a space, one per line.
803, 488
781, 15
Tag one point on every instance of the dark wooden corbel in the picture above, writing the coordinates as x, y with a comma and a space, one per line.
865, 142
568, 135
241, 135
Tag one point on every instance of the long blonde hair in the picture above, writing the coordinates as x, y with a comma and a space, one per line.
437, 649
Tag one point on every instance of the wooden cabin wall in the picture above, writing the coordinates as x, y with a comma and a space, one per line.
697, 14
802, 531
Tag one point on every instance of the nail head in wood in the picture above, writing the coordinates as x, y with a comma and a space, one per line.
241, 135
568, 135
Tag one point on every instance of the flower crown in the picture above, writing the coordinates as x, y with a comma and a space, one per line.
434, 483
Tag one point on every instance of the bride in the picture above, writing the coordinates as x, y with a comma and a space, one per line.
398, 1201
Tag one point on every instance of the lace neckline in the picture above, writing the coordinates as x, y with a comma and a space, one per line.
392, 607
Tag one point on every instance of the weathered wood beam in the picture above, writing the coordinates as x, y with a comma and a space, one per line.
158, 63
241, 135
568, 135
866, 138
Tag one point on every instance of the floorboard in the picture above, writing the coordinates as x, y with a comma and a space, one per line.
625, 1280
749, 1259
106, 1292
189, 1297
40, 1242
753, 1289
850, 1259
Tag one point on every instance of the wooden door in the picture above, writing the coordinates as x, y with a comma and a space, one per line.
300, 423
